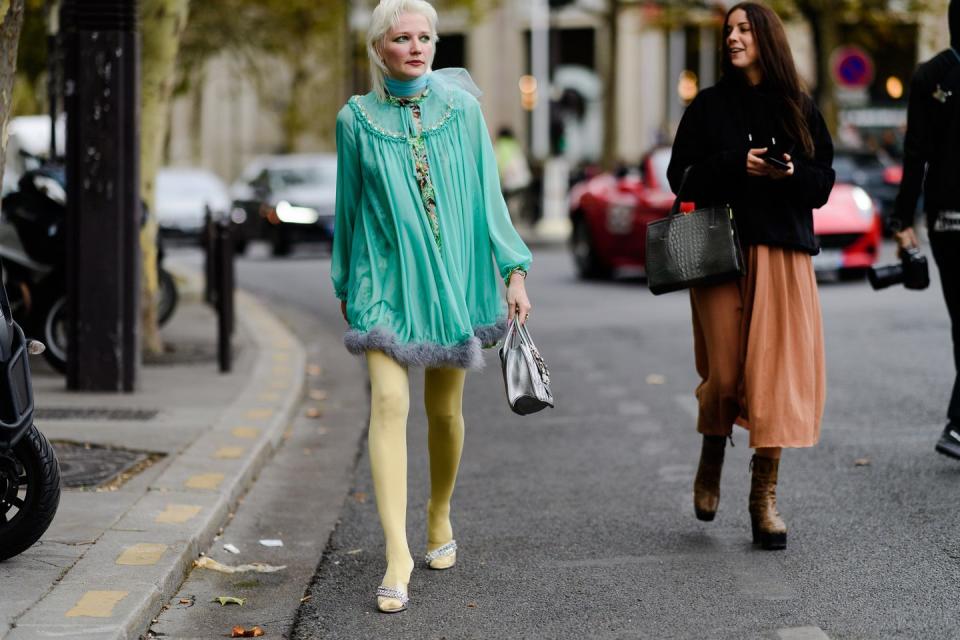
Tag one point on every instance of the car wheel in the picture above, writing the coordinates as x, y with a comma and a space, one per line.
281, 243
588, 263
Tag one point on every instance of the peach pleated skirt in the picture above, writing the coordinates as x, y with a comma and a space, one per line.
758, 343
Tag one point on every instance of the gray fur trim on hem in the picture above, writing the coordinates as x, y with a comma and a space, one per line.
465, 355
490, 334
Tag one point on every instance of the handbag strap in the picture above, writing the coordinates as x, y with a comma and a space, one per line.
675, 209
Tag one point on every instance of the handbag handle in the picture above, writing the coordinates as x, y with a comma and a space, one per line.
675, 209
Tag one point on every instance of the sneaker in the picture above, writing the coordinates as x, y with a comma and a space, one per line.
949, 442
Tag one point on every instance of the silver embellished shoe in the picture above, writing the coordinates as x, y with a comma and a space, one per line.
387, 594
443, 557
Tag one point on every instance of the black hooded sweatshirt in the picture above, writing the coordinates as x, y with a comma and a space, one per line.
718, 128
932, 143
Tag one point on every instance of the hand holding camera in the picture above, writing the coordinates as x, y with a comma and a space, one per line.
912, 272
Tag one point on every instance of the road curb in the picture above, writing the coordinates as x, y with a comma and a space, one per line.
120, 584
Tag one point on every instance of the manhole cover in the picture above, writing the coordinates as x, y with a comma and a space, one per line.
84, 413
84, 465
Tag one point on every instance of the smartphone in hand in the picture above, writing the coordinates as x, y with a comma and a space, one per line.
775, 162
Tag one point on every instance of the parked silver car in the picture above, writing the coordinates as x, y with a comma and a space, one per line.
184, 196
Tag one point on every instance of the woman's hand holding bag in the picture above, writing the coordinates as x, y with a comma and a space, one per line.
525, 374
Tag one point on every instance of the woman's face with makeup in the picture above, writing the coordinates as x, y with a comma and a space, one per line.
407, 48
741, 46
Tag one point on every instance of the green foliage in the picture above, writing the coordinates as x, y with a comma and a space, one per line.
29, 89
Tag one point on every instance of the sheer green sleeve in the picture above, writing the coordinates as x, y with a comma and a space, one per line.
348, 200
509, 250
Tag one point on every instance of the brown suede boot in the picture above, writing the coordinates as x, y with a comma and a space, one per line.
769, 530
706, 486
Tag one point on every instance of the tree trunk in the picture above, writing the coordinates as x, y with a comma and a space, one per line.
609, 153
9, 40
826, 25
162, 23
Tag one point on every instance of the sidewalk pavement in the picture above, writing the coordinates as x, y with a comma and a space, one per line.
115, 555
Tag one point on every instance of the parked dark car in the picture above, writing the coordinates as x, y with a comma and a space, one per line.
285, 199
878, 177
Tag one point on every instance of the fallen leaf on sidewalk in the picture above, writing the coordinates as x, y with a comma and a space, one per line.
187, 601
313, 412
360, 496
314, 370
225, 600
354, 552
656, 378
240, 632
471, 605
318, 394
209, 563
231, 548
306, 599
272, 542
861, 462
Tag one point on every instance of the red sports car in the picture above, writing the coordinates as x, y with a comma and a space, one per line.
610, 216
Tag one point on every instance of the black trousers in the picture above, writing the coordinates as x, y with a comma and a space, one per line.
946, 251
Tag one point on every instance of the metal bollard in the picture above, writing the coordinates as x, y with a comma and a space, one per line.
224, 294
209, 259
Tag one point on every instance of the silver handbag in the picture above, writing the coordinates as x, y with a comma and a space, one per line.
525, 374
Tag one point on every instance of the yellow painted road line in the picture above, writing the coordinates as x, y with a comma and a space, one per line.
259, 414
229, 453
281, 357
247, 433
205, 481
96, 604
143, 554
177, 513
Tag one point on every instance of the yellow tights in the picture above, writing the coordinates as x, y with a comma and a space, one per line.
389, 406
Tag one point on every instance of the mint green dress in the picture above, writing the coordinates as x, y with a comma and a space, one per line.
422, 235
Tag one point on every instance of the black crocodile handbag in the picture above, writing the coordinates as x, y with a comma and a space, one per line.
693, 249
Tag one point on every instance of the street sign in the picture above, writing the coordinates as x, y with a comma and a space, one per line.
852, 67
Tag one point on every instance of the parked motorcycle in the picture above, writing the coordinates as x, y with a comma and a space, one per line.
29, 471
33, 247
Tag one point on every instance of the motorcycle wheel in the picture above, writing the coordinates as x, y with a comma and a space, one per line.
29, 492
54, 332
167, 297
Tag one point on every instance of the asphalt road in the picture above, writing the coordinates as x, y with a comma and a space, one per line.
577, 522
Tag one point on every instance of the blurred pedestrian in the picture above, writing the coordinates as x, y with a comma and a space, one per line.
931, 163
758, 340
515, 176
419, 212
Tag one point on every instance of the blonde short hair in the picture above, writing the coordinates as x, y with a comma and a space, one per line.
385, 17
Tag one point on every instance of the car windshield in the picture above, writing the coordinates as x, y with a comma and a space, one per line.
184, 184
658, 163
847, 166
312, 175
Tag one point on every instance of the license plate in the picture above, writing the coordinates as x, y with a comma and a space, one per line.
828, 260
620, 219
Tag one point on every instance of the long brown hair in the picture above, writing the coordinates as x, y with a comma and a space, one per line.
776, 65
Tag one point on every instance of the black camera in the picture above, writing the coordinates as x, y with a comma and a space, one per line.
912, 272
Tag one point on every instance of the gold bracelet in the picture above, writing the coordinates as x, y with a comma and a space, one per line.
513, 271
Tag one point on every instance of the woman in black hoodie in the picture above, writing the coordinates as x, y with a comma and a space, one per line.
758, 340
